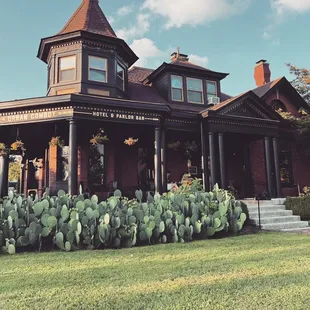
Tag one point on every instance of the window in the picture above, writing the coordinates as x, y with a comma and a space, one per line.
285, 159
120, 78
177, 88
67, 67
97, 69
194, 90
211, 89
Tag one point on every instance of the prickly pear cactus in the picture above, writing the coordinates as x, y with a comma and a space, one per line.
71, 223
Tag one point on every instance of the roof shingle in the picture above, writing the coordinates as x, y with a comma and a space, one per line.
89, 17
138, 74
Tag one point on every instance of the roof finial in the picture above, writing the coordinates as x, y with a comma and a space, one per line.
178, 51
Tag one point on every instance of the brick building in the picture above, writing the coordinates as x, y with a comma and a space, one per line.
178, 114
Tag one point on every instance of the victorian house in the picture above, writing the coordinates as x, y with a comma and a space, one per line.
131, 127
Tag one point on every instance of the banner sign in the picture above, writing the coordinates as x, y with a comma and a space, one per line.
35, 115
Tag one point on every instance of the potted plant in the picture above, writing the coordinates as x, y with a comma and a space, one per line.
131, 141
174, 145
57, 141
18, 148
4, 150
99, 139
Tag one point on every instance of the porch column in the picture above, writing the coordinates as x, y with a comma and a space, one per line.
277, 167
268, 158
212, 137
204, 159
157, 164
4, 175
163, 160
72, 179
222, 160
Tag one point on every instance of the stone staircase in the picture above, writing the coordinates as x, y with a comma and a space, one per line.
275, 217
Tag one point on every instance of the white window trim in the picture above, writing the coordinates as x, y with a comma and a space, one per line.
195, 91
123, 79
95, 69
178, 76
213, 82
59, 69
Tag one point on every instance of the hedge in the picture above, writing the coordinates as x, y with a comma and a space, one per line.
299, 206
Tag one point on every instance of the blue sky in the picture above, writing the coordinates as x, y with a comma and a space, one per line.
223, 35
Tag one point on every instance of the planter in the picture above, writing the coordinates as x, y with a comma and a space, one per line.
4, 175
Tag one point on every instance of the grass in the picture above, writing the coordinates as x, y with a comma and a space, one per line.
262, 271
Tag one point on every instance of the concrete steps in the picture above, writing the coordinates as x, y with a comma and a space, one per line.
275, 217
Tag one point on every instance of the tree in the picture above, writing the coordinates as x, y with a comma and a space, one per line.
301, 81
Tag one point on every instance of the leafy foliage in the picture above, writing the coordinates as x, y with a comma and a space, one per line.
4, 150
72, 223
301, 81
299, 206
300, 123
14, 171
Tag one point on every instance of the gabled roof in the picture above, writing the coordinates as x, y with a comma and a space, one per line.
179, 66
285, 86
89, 17
262, 90
233, 104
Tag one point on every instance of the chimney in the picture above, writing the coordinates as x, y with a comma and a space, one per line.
262, 72
178, 56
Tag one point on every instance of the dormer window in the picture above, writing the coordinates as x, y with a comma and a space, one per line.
67, 67
97, 69
177, 88
120, 78
194, 90
211, 89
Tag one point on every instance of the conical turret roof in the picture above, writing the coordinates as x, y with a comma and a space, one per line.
89, 17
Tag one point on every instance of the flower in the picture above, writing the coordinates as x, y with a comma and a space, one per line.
131, 141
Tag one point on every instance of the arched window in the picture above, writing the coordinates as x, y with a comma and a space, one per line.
278, 105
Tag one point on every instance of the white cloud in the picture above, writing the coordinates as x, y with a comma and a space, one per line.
283, 6
194, 12
198, 60
146, 50
280, 10
138, 30
125, 10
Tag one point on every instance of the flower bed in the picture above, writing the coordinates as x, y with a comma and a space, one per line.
73, 223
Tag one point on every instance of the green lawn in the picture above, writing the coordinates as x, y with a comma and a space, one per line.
263, 271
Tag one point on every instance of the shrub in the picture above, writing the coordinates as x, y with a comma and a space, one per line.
73, 223
299, 206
